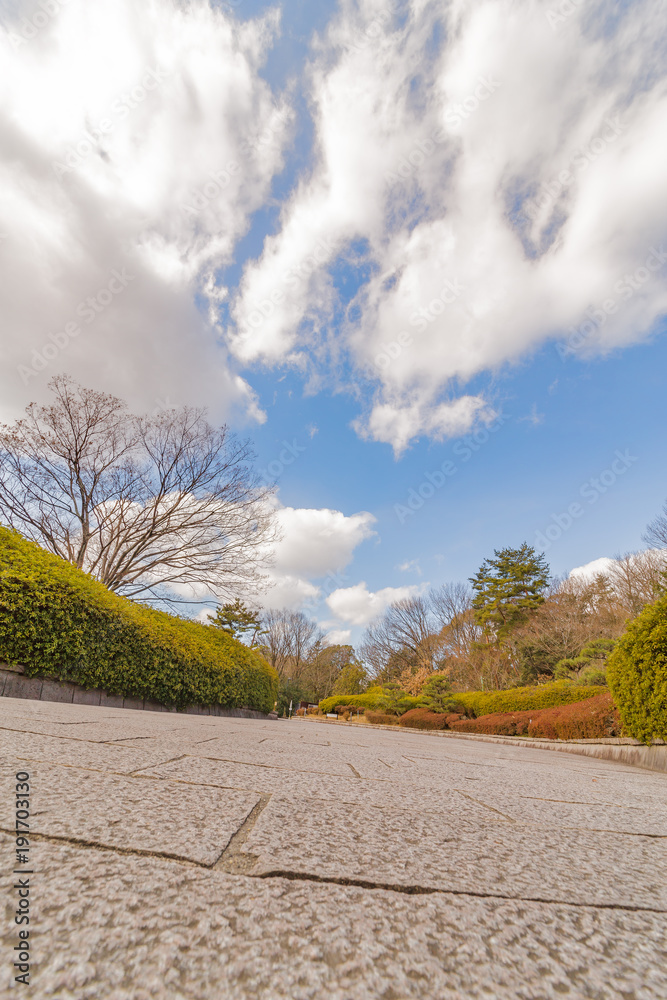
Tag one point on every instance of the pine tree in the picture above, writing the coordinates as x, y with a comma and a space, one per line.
507, 588
236, 619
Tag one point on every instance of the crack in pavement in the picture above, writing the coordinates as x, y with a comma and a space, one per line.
420, 890
576, 802
247, 861
276, 767
485, 806
411, 890
234, 860
51, 838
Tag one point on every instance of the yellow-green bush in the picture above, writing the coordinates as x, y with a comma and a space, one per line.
59, 622
475, 703
374, 698
517, 699
637, 674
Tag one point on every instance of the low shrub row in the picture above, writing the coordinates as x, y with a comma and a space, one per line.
57, 621
520, 699
424, 718
375, 699
471, 703
382, 719
592, 718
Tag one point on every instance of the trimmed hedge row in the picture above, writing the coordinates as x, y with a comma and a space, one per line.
592, 718
637, 674
520, 699
474, 703
57, 621
374, 698
382, 719
424, 718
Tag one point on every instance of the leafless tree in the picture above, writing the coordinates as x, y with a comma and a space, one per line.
656, 532
141, 503
289, 640
405, 636
637, 578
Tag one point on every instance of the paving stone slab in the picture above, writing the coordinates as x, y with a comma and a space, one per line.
137, 814
494, 856
81, 753
151, 929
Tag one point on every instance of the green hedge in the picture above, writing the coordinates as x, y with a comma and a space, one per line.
478, 702
517, 699
59, 622
637, 674
375, 698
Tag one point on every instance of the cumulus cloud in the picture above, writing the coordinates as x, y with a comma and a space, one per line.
314, 543
338, 637
592, 569
137, 142
501, 187
358, 605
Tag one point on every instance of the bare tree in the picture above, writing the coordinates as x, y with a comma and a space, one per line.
452, 608
289, 640
138, 502
406, 636
656, 532
637, 578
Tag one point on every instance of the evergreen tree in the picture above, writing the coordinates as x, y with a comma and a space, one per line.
236, 619
507, 588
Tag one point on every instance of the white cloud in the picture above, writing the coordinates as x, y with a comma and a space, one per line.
410, 566
314, 544
338, 637
481, 181
358, 605
592, 569
137, 140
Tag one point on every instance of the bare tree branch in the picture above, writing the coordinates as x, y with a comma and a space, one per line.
139, 502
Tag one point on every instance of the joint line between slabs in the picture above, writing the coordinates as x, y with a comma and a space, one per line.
419, 890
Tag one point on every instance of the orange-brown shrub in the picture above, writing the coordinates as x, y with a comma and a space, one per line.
349, 709
592, 718
498, 723
381, 719
423, 718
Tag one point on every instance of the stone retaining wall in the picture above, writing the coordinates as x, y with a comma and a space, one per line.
14, 684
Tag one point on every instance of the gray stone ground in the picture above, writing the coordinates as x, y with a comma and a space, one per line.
212, 858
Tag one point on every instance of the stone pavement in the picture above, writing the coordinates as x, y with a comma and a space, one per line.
204, 858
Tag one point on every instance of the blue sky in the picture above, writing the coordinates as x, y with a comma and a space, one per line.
376, 239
